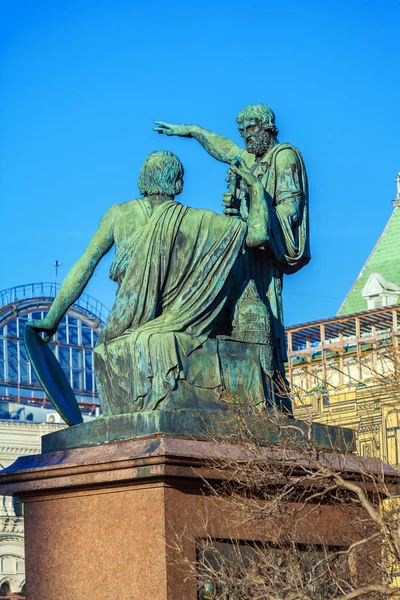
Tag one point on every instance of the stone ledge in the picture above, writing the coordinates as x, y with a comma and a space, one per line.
191, 423
164, 459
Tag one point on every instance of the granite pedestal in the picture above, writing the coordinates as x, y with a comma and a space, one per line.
103, 522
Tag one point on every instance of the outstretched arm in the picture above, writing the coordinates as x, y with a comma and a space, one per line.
218, 146
258, 221
78, 277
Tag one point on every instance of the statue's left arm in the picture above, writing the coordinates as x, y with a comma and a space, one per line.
78, 277
278, 215
289, 234
258, 221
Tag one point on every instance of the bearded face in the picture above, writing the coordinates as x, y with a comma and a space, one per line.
258, 144
256, 138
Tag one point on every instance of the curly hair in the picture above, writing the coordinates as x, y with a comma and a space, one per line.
259, 112
161, 173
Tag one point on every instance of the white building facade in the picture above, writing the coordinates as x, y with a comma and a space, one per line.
25, 412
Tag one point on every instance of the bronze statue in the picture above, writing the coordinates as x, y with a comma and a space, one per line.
198, 310
160, 348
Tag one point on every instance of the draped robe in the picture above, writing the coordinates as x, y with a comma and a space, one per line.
173, 276
283, 176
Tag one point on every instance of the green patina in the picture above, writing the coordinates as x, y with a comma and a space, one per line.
384, 259
198, 310
201, 424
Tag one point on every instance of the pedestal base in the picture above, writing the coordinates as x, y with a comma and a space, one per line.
190, 422
103, 522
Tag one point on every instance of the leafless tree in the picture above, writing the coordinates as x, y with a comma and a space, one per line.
279, 485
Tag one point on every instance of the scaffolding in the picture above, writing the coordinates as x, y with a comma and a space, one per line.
337, 338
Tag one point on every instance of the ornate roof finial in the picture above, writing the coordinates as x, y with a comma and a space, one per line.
396, 201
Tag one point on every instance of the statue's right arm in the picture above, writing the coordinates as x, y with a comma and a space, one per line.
217, 146
78, 277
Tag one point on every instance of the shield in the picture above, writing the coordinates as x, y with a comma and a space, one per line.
51, 377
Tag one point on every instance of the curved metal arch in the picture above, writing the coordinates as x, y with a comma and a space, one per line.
13, 311
22, 297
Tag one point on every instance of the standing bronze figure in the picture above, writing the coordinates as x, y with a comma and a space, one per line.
276, 170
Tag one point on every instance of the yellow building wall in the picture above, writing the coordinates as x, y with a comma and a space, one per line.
363, 395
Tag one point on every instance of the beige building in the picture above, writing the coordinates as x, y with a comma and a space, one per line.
345, 370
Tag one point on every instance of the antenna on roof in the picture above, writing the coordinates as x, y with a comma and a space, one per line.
396, 201
57, 264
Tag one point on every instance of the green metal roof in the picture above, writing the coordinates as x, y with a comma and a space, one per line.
384, 259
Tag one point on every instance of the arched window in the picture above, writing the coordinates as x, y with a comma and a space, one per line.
72, 345
5, 588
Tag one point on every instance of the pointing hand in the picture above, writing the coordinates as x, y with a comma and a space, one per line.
169, 129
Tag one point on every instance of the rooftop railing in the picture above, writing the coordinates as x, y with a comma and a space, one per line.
355, 334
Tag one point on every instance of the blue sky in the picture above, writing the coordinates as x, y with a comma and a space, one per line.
82, 81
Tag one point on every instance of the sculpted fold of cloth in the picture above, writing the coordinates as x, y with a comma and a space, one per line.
282, 174
173, 272
161, 347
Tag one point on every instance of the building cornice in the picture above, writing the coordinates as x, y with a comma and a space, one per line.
9, 424
19, 438
11, 528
